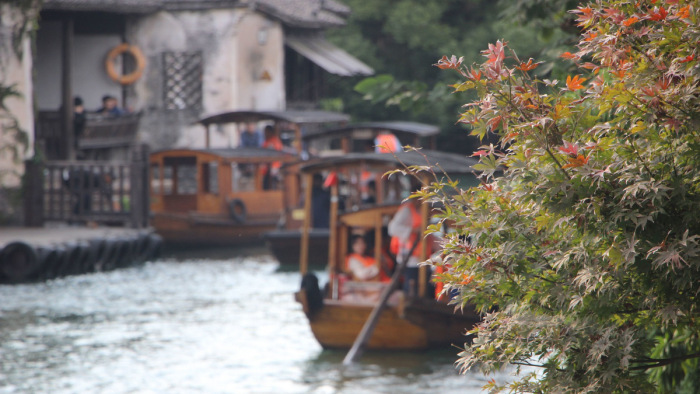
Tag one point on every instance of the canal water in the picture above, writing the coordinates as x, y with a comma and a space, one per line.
224, 323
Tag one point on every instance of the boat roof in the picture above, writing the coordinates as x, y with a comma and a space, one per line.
450, 163
397, 127
299, 117
229, 153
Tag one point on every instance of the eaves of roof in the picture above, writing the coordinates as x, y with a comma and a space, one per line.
305, 14
116, 6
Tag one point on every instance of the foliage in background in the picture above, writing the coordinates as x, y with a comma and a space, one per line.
399, 38
584, 255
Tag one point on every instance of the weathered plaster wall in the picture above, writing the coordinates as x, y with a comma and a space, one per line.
261, 71
233, 62
17, 71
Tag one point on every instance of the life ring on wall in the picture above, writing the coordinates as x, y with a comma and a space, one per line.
121, 49
237, 210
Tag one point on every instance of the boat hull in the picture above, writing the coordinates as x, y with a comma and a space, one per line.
414, 326
193, 231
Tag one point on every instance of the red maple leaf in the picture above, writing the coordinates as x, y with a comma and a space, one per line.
569, 149
452, 63
658, 14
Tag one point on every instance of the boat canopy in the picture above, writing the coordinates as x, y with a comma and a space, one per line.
298, 117
247, 153
402, 129
450, 163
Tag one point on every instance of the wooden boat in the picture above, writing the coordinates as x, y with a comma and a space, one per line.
413, 319
214, 196
336, 141
219, 196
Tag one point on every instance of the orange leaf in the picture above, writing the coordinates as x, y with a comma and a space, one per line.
574, 83
683, 13
630, 21
474, 74
578, 161
569, 55
528, 66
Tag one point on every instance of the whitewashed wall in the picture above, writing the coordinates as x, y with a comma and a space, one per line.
14, 71
234, 60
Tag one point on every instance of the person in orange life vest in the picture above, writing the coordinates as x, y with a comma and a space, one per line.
385, 142
359, 265
405, 230
269, 172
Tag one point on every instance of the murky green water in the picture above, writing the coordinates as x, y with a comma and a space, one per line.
217, 325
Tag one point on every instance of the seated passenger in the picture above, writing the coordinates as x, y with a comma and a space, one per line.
109, 107
357, 264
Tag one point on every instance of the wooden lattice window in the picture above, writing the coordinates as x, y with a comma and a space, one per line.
183, 80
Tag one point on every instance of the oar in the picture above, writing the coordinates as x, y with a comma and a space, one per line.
368, 328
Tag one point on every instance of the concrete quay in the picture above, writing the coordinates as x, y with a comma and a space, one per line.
43, 253
46, 236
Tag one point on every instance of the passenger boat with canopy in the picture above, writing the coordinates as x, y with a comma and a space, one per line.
225, 196
412, 318
284, 241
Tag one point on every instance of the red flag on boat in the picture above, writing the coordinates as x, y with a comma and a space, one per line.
331, 180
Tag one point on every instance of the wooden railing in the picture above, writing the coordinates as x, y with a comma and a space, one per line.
99, 133
109, 193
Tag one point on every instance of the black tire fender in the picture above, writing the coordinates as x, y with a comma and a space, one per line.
237, 210
18, 261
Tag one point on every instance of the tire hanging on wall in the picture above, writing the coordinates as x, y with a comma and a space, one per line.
237, 210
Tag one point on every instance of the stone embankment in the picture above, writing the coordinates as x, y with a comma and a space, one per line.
39, 254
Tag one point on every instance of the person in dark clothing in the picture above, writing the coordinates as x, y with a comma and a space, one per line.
79, 119
250, 136
320, 203
109, 107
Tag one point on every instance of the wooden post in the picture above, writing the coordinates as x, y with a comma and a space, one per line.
33, 194
423, 269
304, 249
333, 224
67, 127
378, 241
298, 144
138, 181
206, 137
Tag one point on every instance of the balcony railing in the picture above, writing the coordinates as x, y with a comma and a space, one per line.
99, 133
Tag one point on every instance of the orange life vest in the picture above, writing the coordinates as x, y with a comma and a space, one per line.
416, 222
366, 261
387, 143
276, 144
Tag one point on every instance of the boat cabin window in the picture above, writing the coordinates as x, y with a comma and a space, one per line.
243, 177
184, 172
167, 180
155, 179
210, 177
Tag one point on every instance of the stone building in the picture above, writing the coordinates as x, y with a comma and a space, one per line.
183, 59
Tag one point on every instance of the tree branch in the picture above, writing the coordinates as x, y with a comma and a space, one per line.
661, 362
